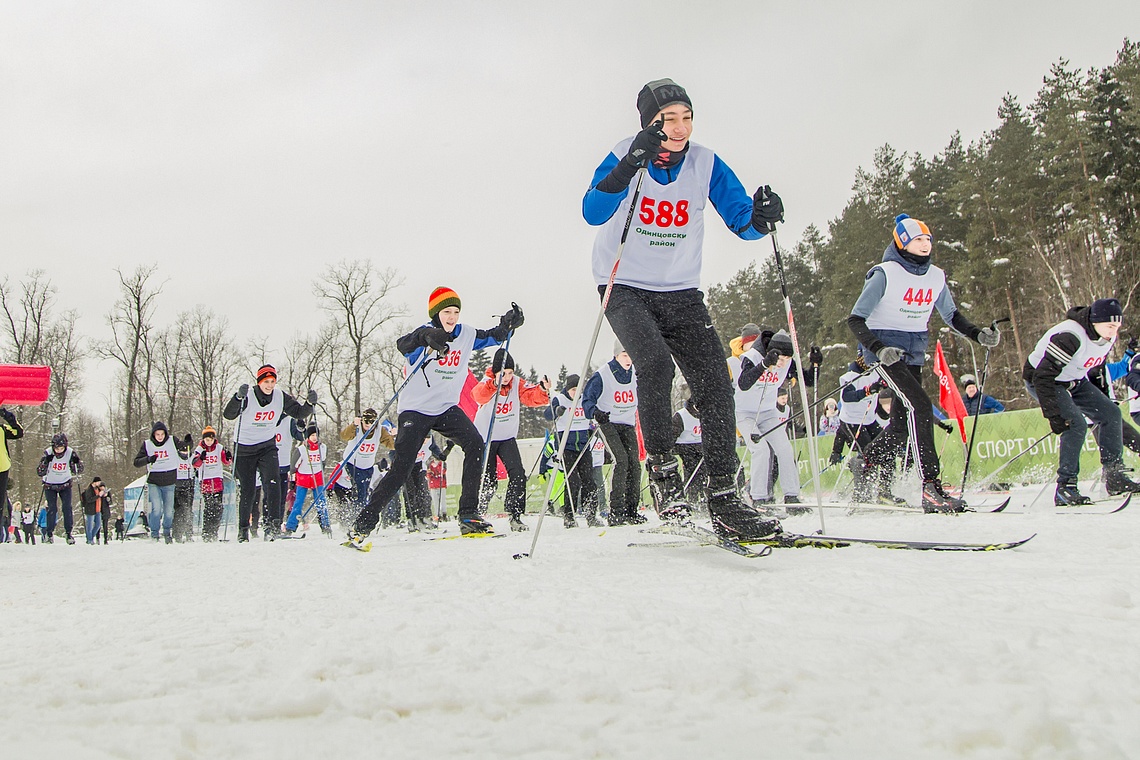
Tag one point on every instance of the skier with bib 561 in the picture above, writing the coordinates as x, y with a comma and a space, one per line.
656, 308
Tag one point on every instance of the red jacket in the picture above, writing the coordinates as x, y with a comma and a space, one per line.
530, 394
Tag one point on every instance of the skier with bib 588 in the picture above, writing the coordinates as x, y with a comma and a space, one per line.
656, 308
891, 319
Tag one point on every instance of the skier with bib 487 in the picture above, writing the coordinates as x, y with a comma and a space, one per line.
656, 308
1056, 375
430, 401
891, 319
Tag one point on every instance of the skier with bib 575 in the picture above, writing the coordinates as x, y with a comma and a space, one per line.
656, 308
891, 319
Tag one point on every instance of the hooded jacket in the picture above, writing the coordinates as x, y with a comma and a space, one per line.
142, 459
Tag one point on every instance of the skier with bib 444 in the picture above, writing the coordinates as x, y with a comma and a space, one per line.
1056, 375
430, 401
656, 308
891, 319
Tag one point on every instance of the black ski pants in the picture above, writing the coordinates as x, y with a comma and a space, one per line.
413, 428
625, 488
183, 509
658, 329
858, 437
211, 515
906, 380
691, 456
581, 487
417, 498
508, 451
261, 458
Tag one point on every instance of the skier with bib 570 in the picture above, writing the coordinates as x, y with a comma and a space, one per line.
1056, 375
430, 401
656, 308
891, 319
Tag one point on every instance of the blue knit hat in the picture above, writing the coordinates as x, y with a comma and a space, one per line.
907, 229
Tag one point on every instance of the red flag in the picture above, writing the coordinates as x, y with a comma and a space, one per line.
948, 396
24, 385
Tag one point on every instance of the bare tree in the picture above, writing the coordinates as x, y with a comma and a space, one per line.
358, 296
129, 345
213, 362
27, 316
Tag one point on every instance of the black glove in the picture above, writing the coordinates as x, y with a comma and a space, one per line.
815, 356
1133, 344
1058, 424
946, 426
11, 418
646, 145
187, 440
836, 458
513, 319
312, 397
771, 357
243, 391
601, 417
152, 458
755, 437
436, 339
767, 209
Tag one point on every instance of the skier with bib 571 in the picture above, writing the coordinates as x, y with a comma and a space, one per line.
656, 308
891, 319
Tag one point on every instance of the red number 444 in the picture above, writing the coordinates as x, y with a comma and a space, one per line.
918, 297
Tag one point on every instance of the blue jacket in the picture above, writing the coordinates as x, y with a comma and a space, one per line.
728, 196
989, 404
593, 389
578, 438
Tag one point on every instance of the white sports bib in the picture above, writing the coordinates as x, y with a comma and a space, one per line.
1088, 355
619, 399
506, 415
908, 300
436, 387
691, 430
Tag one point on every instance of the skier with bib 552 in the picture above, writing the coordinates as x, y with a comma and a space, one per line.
656, 308
891, 319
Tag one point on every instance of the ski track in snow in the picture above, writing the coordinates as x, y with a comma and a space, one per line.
589, 650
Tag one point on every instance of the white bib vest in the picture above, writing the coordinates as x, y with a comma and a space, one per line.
365, 455
858, 412
311, 461
506, 415
619, 399
1088, 355
185, 469
598, 451
908, 300
1133, 396
211, 463
259, 423
762, 395
691, 427
59, 468
436, 387
663, 249
422, 454
168, 458
580, 421
284, 444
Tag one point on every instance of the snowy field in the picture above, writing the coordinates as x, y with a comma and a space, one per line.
590, 649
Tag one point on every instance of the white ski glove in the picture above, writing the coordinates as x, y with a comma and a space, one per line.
888, 355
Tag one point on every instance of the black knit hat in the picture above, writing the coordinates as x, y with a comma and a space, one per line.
1106, 310
571, 382
502, 361
312, 428
658, 95
782, 342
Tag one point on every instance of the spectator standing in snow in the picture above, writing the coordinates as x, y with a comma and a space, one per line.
829, 420
971, 398
27, 522
95, 499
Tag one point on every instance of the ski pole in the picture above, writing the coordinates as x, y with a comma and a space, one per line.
1023, 452
589, 356
237, 480
978, 408
495, 400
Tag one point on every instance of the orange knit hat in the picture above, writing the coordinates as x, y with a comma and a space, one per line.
440, 299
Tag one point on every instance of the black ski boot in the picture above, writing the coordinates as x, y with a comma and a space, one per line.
886, 498
243, 535
794, 507
1067, 495
1116, 481
474, 525
517, 525
935, 499
667, 489
732, 518
593, 521
568, 520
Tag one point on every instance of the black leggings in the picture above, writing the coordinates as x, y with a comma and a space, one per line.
246, 467
625, 489
417, 498
658, 329
859, 437
508, 452
581, 488
906, 380
413, 428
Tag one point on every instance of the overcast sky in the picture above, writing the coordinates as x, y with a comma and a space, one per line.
244, 146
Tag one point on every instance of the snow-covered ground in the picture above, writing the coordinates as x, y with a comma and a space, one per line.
589, 649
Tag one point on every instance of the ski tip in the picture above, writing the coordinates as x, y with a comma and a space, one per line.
522, 555
1001, 507
1123, 504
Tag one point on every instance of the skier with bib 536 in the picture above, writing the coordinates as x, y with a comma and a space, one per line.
656, 308
430, 401
891, 319
1056, 375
